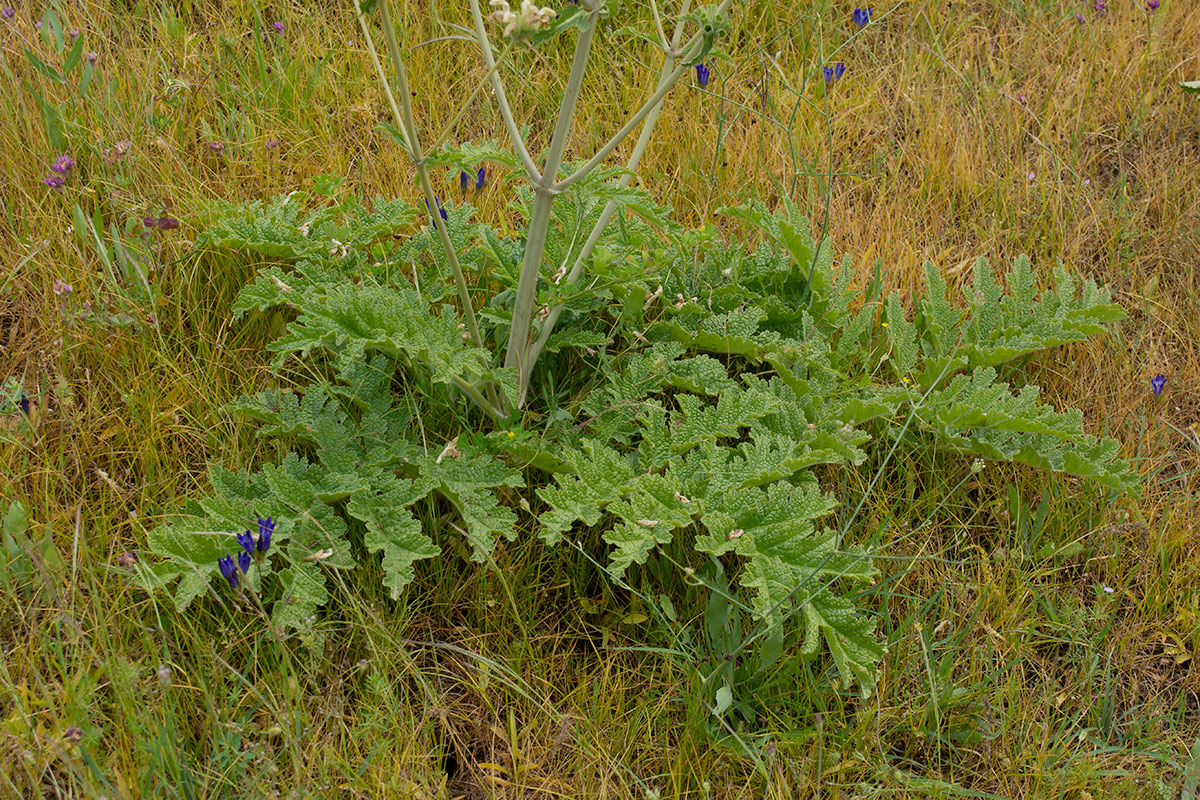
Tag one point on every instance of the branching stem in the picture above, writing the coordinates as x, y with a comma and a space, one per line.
518, 335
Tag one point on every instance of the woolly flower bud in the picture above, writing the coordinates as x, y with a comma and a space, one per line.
535, 18
530, 19
504, 15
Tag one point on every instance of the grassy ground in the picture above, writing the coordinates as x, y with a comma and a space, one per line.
985, 127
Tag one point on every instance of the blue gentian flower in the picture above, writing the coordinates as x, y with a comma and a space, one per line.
480, 178
441, 210
266, 527
244, 562
828, 73
862, 16
702, 74
839, 70
463, 179
246, 540
24, 403
1157, 384
228, 571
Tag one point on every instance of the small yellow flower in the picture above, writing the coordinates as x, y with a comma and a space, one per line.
885, 324
511, 434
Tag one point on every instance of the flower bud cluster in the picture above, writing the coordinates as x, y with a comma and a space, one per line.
529, 19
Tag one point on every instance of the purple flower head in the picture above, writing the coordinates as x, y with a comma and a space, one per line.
278, 26
862, 16
38, 25
216, 147
61, 287
1101, 6
480, 178
1152, 5
1079, 19
246, 540
24, 403
272, 144
93, 57
441, 210
63, 164
1158, 383
266, 527
228, 570
463, 180
7, 12
73, 33
244, 562
54, 182
702, 74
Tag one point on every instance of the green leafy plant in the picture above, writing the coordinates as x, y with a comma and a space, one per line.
646, 384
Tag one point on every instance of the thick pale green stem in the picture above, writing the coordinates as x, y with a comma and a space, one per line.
668, 74
485, 49
531, 266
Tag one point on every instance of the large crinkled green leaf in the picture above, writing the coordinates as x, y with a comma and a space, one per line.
785, 558
651, 511
469, 483
978, 415
392, 529
850, 636
695, 423
600, 477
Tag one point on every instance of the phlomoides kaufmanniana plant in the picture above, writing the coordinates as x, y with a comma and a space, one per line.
606, 376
